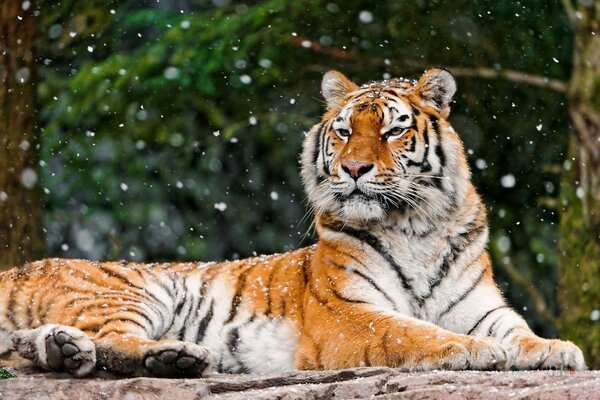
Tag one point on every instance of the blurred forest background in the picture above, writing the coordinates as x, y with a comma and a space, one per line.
170, 129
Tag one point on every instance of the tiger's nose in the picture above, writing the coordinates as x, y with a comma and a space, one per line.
356, 169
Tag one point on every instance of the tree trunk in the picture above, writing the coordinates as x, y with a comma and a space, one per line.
580, 192
21, 236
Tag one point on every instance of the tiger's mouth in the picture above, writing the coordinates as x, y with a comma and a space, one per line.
360, 197
355, 195
359, 194
359, 205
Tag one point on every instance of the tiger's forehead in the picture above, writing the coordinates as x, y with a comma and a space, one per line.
377, 101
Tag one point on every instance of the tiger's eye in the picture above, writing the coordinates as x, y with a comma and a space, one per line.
397, 131
343, 132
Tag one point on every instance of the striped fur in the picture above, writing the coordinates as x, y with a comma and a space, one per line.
400, 275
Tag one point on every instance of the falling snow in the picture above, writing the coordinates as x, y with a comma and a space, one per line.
366, 17
220, 206
29, 178
508, 181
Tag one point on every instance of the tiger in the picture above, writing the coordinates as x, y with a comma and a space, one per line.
399, 277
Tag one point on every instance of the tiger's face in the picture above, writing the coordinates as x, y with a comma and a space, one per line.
384, 148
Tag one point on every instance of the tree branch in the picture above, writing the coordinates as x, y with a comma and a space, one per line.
512, 76
570, 11
479, 72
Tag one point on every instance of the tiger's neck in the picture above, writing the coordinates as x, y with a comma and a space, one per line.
465, 221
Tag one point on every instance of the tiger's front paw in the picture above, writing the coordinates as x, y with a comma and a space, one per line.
488, 354
532, 352
475, 353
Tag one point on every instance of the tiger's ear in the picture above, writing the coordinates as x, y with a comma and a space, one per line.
335, 87
435, 89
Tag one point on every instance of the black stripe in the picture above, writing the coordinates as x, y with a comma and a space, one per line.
439, 152
232, 343
369, 280
204, 323
443, 272
379, 110
415, 110
374, 242
326, 154
465, 294
413, 144
411, 163
511, 330
178, 309
237, 298
340, 296
268, 286
480, 320
317, 143
473, 231
539, 364
425, 165
316, 295
323, 140
113, 274
195, 306
390, 91
493, 327
508, 332
184, 324
304, 271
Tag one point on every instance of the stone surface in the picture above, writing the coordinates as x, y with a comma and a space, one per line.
378, 383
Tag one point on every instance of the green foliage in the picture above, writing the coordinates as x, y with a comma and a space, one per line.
4, 374
168, 116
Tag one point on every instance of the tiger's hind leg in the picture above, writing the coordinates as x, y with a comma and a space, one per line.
57, 348
136, 356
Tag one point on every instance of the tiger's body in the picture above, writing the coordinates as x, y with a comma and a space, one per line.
400, 275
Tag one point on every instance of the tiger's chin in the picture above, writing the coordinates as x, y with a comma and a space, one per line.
362, 210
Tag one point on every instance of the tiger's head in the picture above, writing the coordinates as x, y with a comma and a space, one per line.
385, 148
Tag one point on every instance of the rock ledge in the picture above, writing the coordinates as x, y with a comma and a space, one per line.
378, 383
